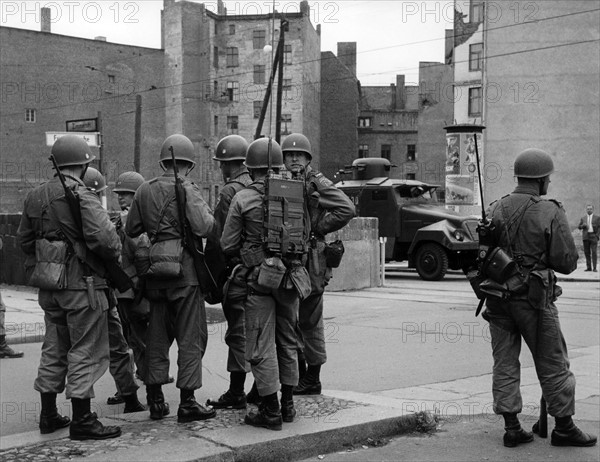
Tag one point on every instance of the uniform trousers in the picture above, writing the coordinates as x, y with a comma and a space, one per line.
75, 345
271, 343
312, 331
135, 316
121, 362
509, 322
234, 310
178, 314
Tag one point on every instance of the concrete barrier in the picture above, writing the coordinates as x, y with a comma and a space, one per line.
360, 265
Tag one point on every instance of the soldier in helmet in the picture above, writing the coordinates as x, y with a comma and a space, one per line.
329, 210
75, 348
270, 312
177, 309
134, 311
231, 153
121, 365
536, 234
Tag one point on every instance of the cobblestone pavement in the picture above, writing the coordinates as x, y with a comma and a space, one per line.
150, 432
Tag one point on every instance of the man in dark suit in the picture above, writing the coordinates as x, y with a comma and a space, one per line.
590, 232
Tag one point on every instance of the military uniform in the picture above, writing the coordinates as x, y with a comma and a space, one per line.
177, 308
234, 300
329, 210
537, 233
75, 345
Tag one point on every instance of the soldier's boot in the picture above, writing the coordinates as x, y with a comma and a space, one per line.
50, 419
310, 383
268, 415
117, 398
287, 403
158, 407
85, 424
190, 410
514, 434
566, 433
6, 351
132, 403
301, 364
234, 398
253, 397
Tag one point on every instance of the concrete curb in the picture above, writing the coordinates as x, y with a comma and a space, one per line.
330, 430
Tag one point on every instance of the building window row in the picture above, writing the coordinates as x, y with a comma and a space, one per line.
30, 115
365, 122
233, 54
476, 57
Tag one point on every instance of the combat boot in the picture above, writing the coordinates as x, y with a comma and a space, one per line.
132, 404
514, 437
287, 403
50, 419
571, 435
190, 410
158, 407
253, 397
310, 384
85, 424
228, 401
8, 352
268, 415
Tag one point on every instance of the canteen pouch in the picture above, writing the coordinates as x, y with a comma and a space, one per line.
50, 271
334, 251
301, 281
539, 289
498, 265
166, 259
271, 273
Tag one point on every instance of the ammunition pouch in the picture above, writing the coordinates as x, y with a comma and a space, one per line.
50, 271
542, 289
271, 272
300, 279
334, 251
516, 284
166, 259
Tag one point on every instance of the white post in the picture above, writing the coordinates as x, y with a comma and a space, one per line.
382, 241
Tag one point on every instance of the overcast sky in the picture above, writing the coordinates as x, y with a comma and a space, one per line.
392, 36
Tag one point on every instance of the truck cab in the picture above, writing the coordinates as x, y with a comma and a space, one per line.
418, 228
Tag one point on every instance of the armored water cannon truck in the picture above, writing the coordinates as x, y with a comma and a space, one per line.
418, 228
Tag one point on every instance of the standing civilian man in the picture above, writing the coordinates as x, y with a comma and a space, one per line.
590, 232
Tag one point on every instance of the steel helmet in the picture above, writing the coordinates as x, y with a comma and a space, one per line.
94, 180
533, 163
258, 154
71, 150
182, 147
128, 182
232, 147
296, 142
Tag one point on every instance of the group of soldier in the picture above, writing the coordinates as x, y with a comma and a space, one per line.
271, 291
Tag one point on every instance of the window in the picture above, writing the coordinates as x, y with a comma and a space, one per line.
363, 150
232, 57
364, 122
111, 78
287, 88
216, 28
475, 57
287, 54
386, 151
410, 176
233, 91
232, 124
216, 89
476, 11
216, 57
231, 29
30, 115
475, 102
216, 125
257, 106
259, 73
258, 39
411, 152
286, 124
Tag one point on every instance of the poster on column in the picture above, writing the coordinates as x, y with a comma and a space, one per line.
462, 183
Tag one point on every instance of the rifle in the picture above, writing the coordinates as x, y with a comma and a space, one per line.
109, 269
207, 282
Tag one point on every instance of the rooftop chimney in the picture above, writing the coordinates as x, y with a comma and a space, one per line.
46, 22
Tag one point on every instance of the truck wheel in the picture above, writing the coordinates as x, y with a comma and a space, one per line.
431, 262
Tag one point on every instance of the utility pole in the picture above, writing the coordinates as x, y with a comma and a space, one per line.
138, 133
100, 143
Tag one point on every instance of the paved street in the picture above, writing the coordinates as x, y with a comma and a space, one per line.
411, 345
